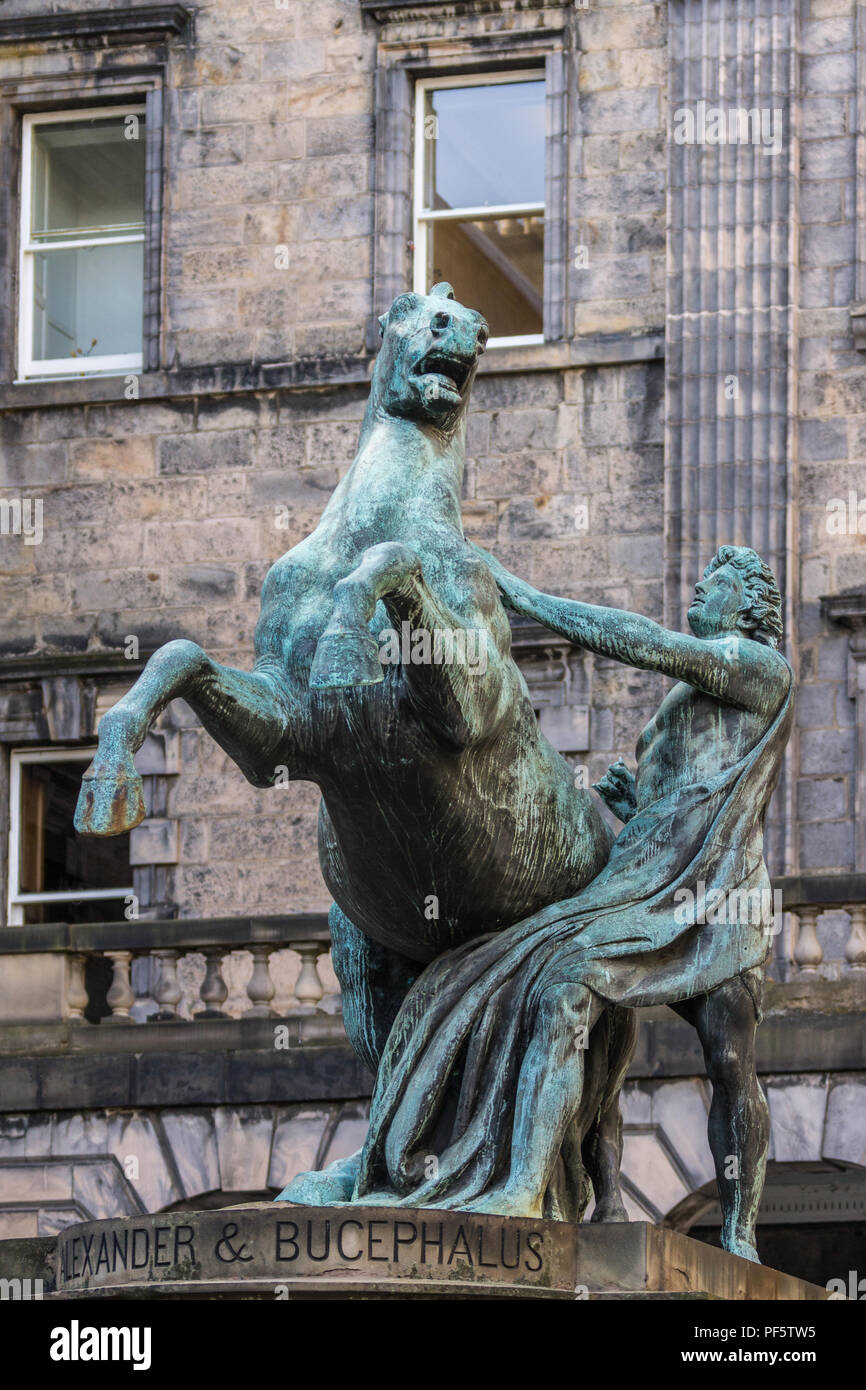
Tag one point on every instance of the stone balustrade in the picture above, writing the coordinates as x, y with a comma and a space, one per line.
202, 970
206, 995
810, 898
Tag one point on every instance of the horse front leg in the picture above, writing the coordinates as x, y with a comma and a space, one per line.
445, 682
246, 712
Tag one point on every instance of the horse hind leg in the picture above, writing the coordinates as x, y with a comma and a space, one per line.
244, 712
602, 1146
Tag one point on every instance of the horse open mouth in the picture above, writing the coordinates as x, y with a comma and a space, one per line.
450, 372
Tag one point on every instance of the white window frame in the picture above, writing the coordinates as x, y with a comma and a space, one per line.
423, 216
17, 901
115, 364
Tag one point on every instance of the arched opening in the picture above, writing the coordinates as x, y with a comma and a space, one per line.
811, 1223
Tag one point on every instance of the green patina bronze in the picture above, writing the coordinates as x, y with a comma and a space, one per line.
486, 1066
491, 938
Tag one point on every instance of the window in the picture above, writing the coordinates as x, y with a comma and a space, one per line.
479, 196
82, 242
55, 874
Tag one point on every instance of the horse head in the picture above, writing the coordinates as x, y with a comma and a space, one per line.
431, 345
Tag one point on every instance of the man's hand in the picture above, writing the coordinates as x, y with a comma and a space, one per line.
512, 589
617, 790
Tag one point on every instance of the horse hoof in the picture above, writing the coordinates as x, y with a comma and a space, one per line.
109, 802
345, 659
608, 1210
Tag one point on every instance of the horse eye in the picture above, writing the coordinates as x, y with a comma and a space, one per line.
403, 304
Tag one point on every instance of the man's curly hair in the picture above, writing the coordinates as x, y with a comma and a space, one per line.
761, 613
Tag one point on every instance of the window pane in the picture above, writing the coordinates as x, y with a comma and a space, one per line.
55, 858
77, 910
88, 302
488, 145
495, 265
88, 176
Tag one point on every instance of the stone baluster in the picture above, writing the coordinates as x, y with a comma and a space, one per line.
167, 991
282, 963
213, 990
855, 949
260, 986
120, 997
77, 997
808, 951
143, 978
308, 986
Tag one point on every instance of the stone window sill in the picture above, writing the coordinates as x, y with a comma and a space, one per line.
237, 379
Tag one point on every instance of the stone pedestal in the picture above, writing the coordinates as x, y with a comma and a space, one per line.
279, 1251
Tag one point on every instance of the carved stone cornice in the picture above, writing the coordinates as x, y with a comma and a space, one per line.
404, 11
847, 609
40, 666
121, 26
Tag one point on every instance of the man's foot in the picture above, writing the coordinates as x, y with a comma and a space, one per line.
738, 1245
330, 1187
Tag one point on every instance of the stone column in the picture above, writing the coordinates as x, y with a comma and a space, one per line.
730, 447
849, 611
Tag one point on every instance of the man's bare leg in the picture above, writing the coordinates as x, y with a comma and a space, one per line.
739, 1122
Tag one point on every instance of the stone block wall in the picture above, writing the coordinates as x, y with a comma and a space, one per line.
162, 514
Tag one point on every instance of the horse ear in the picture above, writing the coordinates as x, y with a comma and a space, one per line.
383, 320
443, 290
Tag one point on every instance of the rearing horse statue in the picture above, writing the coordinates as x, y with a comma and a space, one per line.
445, 812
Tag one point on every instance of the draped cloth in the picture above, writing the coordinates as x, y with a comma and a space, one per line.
447, 1082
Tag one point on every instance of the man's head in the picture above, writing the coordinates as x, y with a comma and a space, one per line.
738, 591
429, 355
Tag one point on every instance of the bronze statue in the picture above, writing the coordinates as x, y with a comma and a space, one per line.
491, 937
484, 1069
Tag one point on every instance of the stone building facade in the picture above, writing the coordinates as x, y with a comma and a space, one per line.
699, 377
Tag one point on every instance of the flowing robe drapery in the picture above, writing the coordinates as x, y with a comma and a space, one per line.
683, 904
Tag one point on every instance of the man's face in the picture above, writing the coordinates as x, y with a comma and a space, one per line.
716, 606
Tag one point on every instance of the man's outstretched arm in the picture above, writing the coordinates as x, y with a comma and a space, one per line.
735, 669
